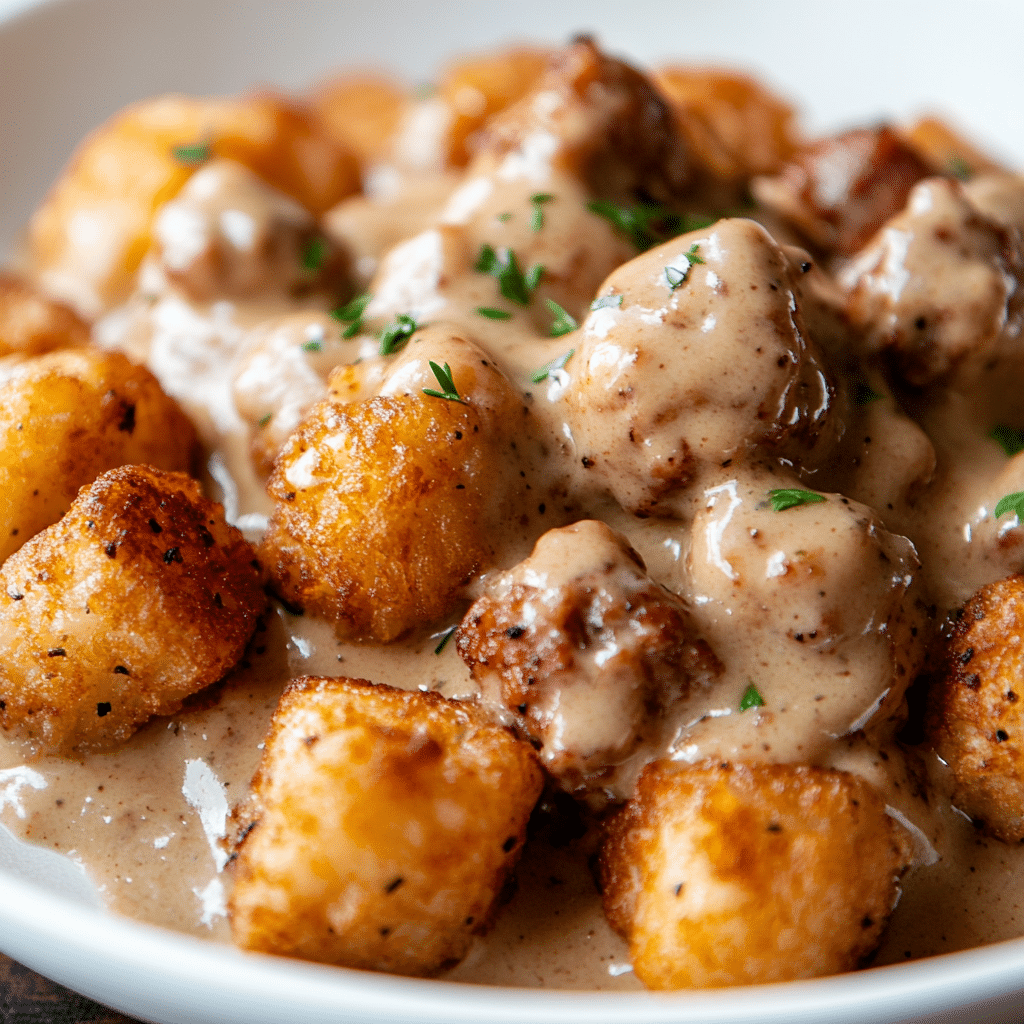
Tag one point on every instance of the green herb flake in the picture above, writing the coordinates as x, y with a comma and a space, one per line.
503, 217
538, 200
864, 393
533, 276
353, 310
445, 637
648, 224
444, 379
556, 364
493, 314
397, 333
606, 302
194, 154
1011, 503
957, 167
353, 329
677, 275
265, 420
314, 345
1010, 439
790, 497
562, 323
314, 254
751, 698
501, 264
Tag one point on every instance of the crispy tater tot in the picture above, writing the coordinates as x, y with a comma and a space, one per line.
140, 596
577, 626
384, 507
725, 874
361, 111
734, 126
947, 151
67, 416
88, 238
975, 718
386, 824
31, 324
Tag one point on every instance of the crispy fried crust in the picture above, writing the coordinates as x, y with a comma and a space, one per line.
386, 507
31, 324
361, 111
387, 822
141, 595
67, 416
590, 659
723, 874
975, 717
125, 170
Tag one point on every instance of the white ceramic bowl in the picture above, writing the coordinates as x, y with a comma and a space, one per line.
65, 66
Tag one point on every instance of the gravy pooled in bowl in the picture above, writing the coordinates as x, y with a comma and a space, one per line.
615, 575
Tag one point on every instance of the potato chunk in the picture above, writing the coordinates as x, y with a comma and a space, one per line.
587, 650
384, 507
31, 324
67, 416
387, 822
724, 874
361, 111
975, 718
88, 238
141, 595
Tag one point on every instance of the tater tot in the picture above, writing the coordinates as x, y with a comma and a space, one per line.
140, 596
361, 111
31, 324
88, 238
67, 416
386, 824
384, 506
726, 874
976, 718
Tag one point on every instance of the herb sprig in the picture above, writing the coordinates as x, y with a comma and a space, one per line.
563, 323
790, 497
192, 154
677, 275
314, 254
352, 314
397, 333
444, 379
751, 698
537, 201
1011, 503
501, 264
647, 224
549, 368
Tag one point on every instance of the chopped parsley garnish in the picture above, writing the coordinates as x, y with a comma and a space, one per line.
538, 200
444, 379
677, 275
194, 154
751, 699
562, 323
265, 420
397, 333
647, 224
548, 368
445, 637
864, 393
313, 345
352, 314
314, 254
606, 302
790, 497
1010, 439
493, 314
501, 264
957, 167
1011, 503
504, 217
533, 276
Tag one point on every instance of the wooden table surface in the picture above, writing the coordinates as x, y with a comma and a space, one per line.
27, 998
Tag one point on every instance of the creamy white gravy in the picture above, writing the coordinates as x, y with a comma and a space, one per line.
793, 601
